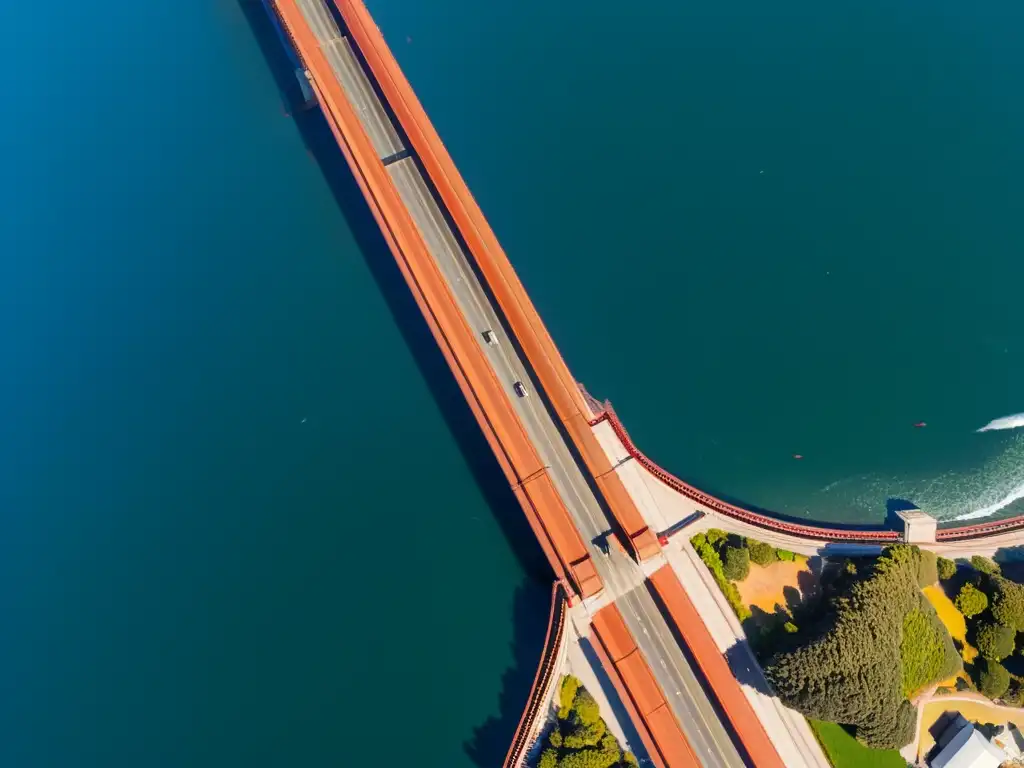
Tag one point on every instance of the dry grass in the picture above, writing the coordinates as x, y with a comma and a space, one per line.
765, 587
955, 623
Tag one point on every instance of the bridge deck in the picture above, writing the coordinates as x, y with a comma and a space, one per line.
415, 213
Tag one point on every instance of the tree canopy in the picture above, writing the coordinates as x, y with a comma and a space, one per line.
1008, 603
737, 563
995, 680
946, 568
882, 642
580, 737
971, 601
995, 642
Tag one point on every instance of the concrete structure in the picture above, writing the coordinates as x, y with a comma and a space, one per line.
962, 746
918, 527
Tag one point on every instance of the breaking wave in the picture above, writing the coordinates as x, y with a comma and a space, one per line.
1006, 422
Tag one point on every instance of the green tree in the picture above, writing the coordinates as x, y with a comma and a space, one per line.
1007, 602
927, 568
716, 536
985, 565
555, 738
699, 540
971, 601
995, 642
629, 759
548, 759
785, 555
585, 734
761, 552
737, 563
566, 696
947, 569
892, 733
854, 668
995, 680
585, 708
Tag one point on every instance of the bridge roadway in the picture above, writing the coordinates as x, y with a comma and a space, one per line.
623, 579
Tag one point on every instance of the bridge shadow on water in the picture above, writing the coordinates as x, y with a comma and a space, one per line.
490, 740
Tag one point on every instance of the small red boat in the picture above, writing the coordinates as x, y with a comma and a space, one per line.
921, 424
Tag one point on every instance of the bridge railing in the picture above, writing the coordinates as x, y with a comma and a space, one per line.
542, 680
605, 412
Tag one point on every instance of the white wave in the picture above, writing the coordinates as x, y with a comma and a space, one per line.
1014, 495
1006, 422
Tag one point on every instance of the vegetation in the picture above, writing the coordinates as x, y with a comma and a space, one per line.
881, 641
995, 680
995, 642
706, 546
844, 751
580, 737
971, 601
737, 563
927, 569
985, 565
946, 569
1007, 600
761, 552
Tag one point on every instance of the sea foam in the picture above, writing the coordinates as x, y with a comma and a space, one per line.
1006, 422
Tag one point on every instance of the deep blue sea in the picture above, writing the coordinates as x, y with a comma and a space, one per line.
244, 519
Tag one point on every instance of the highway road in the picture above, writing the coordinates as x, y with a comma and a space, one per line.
622, 578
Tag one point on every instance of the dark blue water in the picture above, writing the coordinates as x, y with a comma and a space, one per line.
245, 518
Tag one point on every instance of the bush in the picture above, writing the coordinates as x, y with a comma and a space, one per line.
946, 568
785, 555
790, 628
629, 759
566, 695
737, 563
699, 540
927, 653
761, 553
985, 565
1008, 603
585, 708
971, 601
995, 642
716, 536
927, 568
548, 759
995, 680
585, 734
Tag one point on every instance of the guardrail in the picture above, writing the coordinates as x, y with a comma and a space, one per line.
541, 681
605, 412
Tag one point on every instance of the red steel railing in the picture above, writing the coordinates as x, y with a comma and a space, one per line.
538, 693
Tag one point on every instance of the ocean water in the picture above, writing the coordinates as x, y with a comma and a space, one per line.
244, 519
761, 230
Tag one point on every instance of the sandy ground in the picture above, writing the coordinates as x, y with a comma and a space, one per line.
765, 587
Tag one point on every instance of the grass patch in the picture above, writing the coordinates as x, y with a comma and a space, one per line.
844, 751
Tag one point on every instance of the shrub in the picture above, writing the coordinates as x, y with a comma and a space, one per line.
927, 653
585, 708
737, 563
566, 695
995, 642
971, 601
790, 628
699, 540
995, 680
548, 759
585, 734
588, 758
555, 738
985, 565
629, 759
716, 536
785, 555
946, 568
761, 553
927, 568
1008, 603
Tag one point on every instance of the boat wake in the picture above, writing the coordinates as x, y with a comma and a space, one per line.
1006, 422
1014, 495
